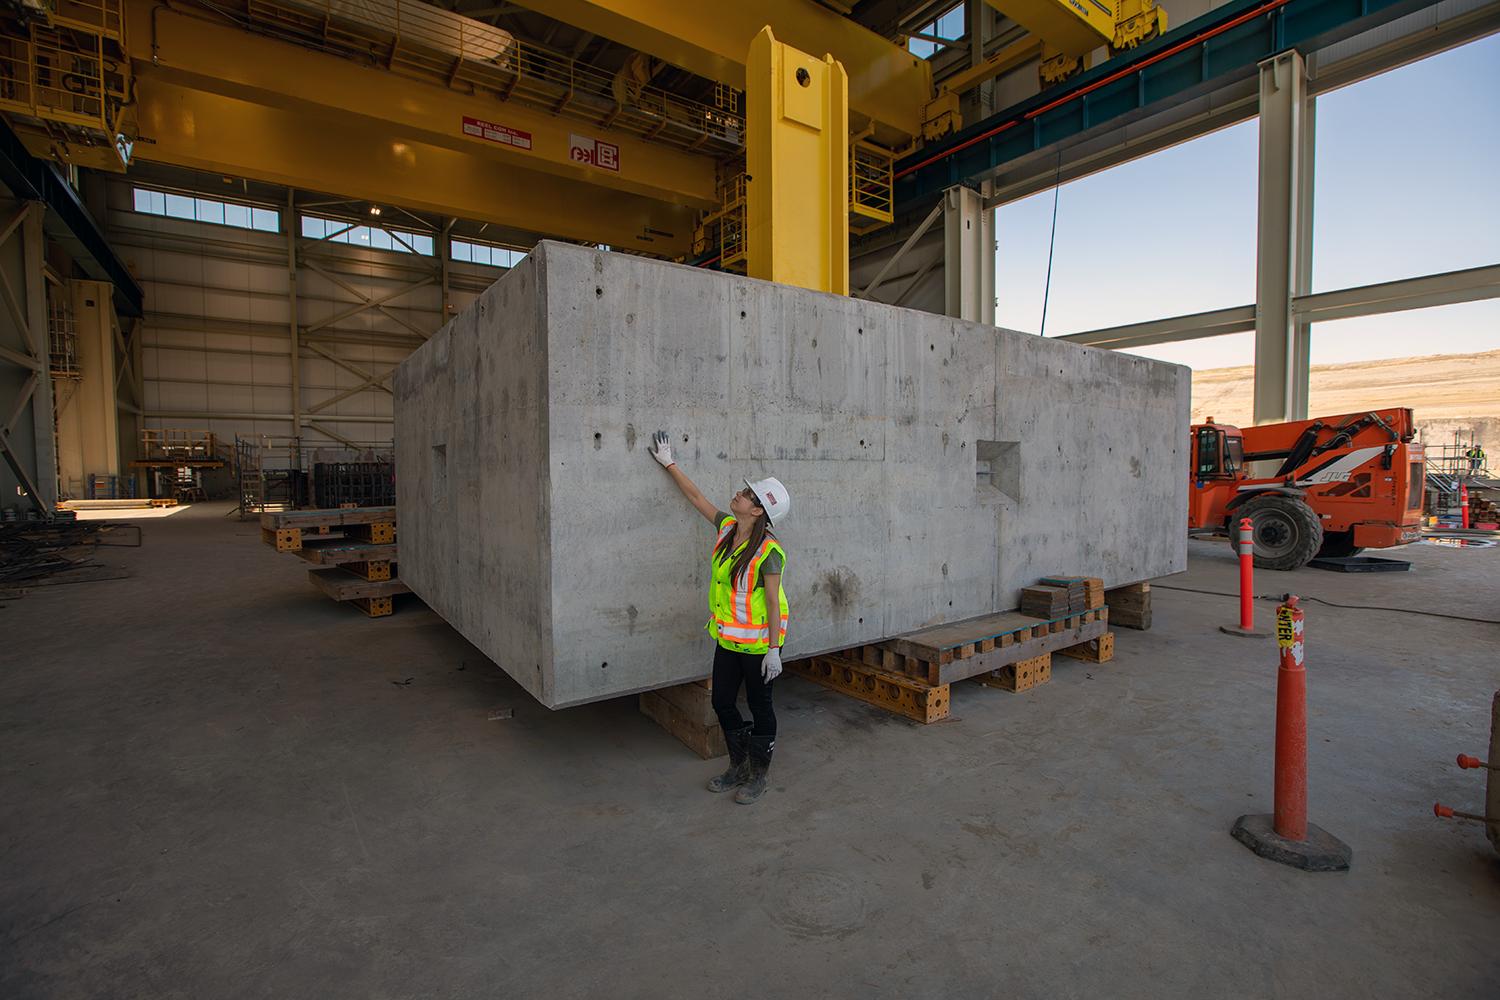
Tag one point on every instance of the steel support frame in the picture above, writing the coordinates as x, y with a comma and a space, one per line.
302, 258
1283, 239
28, 312
1211, 52
968, 256
1424, 292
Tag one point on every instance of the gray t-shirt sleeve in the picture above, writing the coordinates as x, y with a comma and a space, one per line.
773, 564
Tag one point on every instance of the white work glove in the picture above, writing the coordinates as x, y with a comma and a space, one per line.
770, 667
661, 450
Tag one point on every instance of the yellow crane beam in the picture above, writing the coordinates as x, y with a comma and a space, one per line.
888, 86
189, 127
218, 58
1073, 27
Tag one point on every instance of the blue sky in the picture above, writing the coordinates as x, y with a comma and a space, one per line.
1407, 167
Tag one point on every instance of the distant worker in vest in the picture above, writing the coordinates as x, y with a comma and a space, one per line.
746, 565
1475, 455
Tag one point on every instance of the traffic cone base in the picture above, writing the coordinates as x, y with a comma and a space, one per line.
1320, 852
1244, 633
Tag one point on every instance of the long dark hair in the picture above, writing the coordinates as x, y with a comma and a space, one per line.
758, 535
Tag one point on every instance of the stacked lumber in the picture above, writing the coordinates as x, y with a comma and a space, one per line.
354, 546
1085, 593
1130, 606
687, 712
1044, 601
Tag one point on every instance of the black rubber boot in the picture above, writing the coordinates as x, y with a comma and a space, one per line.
760, 764
738, 772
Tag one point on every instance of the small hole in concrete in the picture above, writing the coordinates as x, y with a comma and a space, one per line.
804, 77
598, 293
597, 435
604, 665
932, 347
861, 331
950, 604
861, 621
815, 341
742, 314
684, 439
861, 442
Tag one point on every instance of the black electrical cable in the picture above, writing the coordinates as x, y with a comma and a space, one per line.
1051, 245
1332, 604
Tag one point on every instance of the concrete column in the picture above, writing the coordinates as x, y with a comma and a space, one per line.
968, 256
1284, 239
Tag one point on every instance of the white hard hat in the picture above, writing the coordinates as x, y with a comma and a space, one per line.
773, 497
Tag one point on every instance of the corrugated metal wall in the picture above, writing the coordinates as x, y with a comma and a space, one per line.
217, 337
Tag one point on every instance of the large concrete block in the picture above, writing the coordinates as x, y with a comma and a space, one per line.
936, 466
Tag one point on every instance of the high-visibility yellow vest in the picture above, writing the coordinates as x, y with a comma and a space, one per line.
737, 607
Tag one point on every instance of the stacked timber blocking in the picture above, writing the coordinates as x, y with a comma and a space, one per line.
911, 675
687, 712
1130, 607
355, 546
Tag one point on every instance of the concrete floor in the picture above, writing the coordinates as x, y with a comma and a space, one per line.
216, 783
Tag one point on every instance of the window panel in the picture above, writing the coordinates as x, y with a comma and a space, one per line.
265, 220
209, 210
181, 207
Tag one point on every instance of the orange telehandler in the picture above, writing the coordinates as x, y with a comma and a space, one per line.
1341, 484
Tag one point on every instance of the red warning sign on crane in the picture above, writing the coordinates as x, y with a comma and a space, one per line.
493, 132
604, 155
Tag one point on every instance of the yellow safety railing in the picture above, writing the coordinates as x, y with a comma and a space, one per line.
65, 73
423, 41
871, 177
733, 242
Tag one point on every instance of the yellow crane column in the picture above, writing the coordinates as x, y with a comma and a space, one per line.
797, 159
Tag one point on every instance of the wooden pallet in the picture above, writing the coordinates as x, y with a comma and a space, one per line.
960, 650
1130, 607
371, 597
892, 691
687, 712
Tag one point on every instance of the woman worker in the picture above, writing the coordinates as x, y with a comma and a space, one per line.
746, 564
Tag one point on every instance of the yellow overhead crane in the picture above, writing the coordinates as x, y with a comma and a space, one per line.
1062, 35
319, 94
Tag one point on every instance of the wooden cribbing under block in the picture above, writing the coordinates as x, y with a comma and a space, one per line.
1021, 675
886, 689
1100, 650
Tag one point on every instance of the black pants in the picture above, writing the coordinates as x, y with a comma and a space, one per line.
732, 669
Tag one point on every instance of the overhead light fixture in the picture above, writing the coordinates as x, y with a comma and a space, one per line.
374, 209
